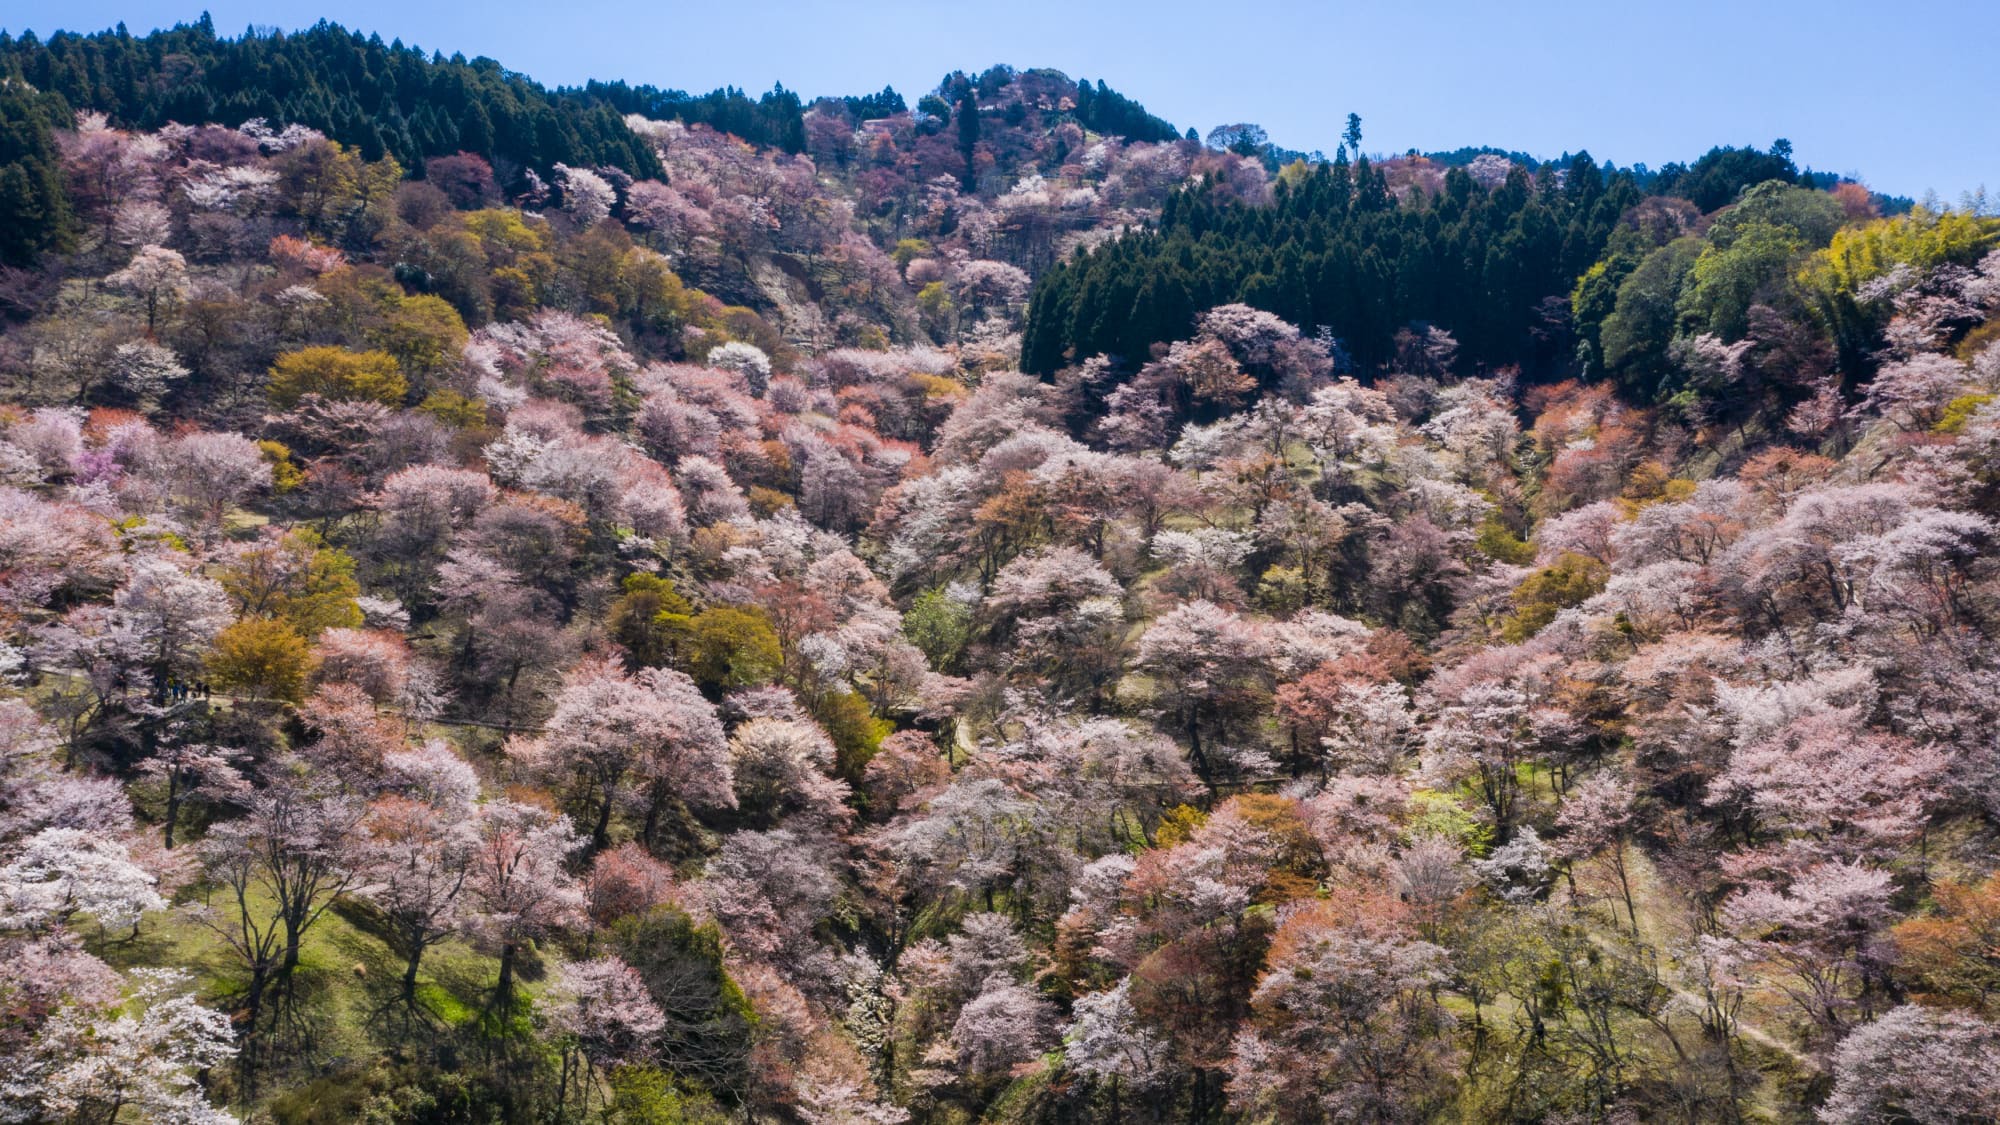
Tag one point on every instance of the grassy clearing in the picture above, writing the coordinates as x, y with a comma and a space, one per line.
344, 998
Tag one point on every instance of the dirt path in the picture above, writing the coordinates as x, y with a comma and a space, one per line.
1649, 894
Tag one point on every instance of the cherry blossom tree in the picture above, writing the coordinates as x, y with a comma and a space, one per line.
1694, 530
1351, 725
520, 885
36, 795
52, 550
1588, 531
905, 772
351, 738
61, 872
626, 881
1207, 662
1106, 1041
210, 472
281, 865
1005, 1024
1828, 778
172, 613
612, 731
602, 1015
1916, 1064
1799, 567
157, 276
145, 371
746, 361
587, 196
1817, 932
422, 508
769, 889
1924, 568
781, 768
1913, 392
1058, 590
192, 773
94, 1063
1345, 1025
417, 861
379, 662
964, 843
434, 774
1429, 875
1483, 735
43, 975
1596, 824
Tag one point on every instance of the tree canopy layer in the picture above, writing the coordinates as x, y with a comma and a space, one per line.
380, 98
1335, 249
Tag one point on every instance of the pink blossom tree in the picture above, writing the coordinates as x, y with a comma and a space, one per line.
520, 886
1207, 663
780, 768
1596, 822
1916, 1064
172, 613
612, 732
1108, 1042
418, 860
1913, 392
1345, 1024
1005, 1024
1829, 779
147, 1056
1818, 933
61, 872
602, 1016
281, 865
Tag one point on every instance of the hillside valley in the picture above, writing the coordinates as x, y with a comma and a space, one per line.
611, 604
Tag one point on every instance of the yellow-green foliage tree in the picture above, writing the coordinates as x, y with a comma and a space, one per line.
1566, 582
1922, 239
285, 472
722, 648
337, 373
455, 410
263, 659
1831, 280
733, 646
424, 333
337, 192
650, 619
854, 730
1498, 541
296, 578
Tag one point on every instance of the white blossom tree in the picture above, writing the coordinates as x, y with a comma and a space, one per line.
144, 1057
61, 872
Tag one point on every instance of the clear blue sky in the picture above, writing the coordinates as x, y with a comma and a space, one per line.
1906, 96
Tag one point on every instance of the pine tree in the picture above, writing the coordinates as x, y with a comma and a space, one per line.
968, 137
34, 210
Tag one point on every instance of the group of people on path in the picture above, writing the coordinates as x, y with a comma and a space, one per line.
179, 691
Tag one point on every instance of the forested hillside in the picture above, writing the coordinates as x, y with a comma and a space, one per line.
612, 605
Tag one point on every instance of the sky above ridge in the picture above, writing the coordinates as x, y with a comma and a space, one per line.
1906, 98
